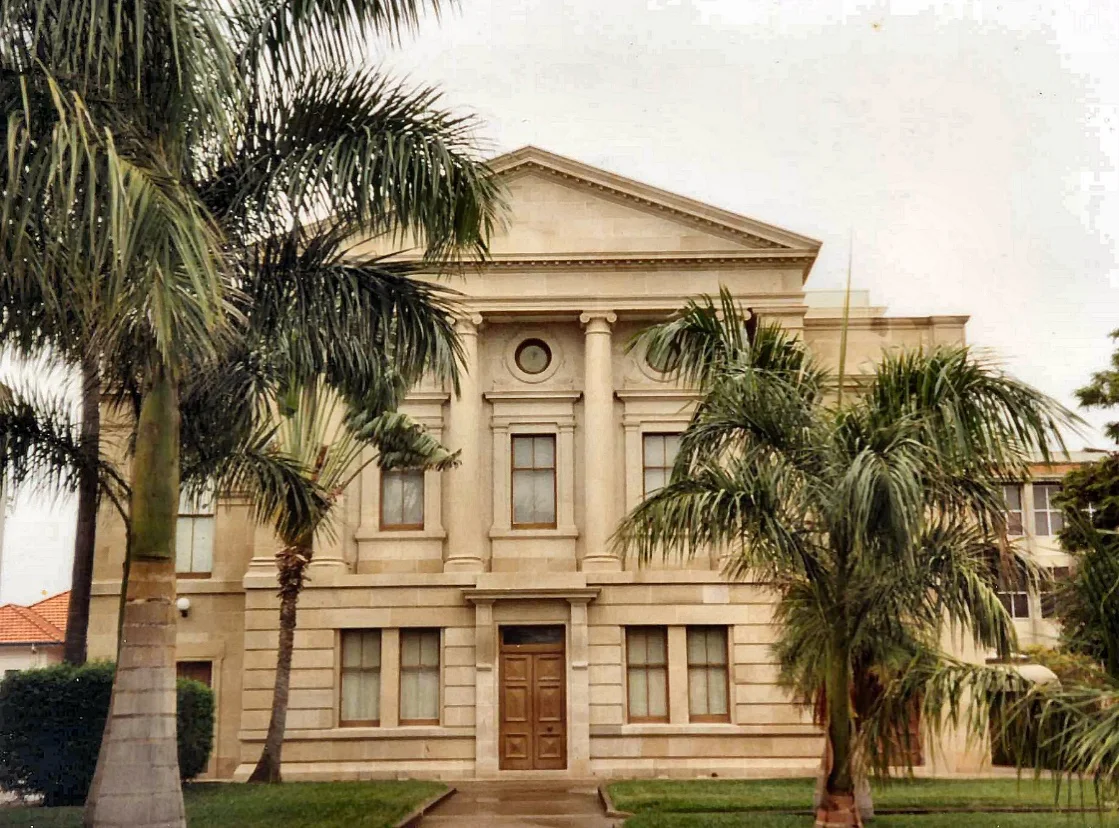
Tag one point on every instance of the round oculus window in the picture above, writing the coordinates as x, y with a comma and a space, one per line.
668, 360
533, 356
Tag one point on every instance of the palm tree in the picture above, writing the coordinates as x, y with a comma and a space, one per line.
872, 520
328, 443
154, 148
32, 325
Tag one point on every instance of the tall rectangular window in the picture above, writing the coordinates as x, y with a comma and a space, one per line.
1012, 494
194, 536
1048, 519
658, 454
361, 678
708, 686
402, 499
419, 677
534, 481
647, 674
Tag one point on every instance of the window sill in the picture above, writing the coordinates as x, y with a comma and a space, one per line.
350, 732
704, 729
399, 534
509, 533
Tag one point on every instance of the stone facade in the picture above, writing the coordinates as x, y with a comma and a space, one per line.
586, 260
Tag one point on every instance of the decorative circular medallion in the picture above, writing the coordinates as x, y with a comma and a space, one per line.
533, 356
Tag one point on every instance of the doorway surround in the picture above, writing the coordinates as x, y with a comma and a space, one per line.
501, 600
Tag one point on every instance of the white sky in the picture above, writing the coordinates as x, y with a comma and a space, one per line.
972, 149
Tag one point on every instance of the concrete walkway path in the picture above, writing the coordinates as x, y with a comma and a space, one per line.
522, 804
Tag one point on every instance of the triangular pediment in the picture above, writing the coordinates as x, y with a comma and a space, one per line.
564, 212
564, 208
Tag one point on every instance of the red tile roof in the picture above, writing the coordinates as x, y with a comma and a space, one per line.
41, 623
54, 609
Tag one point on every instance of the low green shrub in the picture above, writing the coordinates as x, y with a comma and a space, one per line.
52, 720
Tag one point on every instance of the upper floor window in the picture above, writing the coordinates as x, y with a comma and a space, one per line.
1012, 495
1048, 519
402, 499
647, 674
708, 685
534, 481
659, 453
419, 677
194, 536
1015, 599
361, 678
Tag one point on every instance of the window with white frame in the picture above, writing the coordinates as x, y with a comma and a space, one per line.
194, 536
1016, 600
1012, 496
708, 678
1048, 519
361, 678
647, 674
533, 479
1050, 586
402, 499
419, 677
658, 455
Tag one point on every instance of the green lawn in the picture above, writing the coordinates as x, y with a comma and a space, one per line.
970, 820
714, 795
293, 805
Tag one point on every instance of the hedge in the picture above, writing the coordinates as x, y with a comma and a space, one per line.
51, 723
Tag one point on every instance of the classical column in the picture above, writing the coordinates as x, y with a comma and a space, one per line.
598, 441
464, 502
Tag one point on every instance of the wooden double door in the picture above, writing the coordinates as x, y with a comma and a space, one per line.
533, 699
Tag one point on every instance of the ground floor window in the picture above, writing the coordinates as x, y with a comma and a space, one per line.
647, 673
707, 674
361, 678
419, 677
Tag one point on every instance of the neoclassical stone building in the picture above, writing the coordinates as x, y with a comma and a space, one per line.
474, 623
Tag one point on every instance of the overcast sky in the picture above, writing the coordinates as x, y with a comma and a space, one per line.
971, 148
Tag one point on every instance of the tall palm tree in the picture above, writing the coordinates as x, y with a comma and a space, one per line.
328, 443
872, 520
153, 148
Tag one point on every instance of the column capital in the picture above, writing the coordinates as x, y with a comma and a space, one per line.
468, 324
598, 321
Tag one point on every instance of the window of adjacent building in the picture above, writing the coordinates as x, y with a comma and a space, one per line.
361, 678
402, 499
419, 677
202, 671
647, 673
1048, 519
659, 453
707, 674
534, 481
1012, 494
1057, 575
1016, 600
194, 536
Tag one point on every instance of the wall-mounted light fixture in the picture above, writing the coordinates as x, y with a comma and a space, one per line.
183, 605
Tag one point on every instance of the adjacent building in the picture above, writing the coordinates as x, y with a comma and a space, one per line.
33, 636
476, 622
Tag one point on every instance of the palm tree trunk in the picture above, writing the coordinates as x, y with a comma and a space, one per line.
136, 782
292, 562
85, 536
838, 807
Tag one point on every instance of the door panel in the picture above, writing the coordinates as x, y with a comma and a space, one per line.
533, 716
